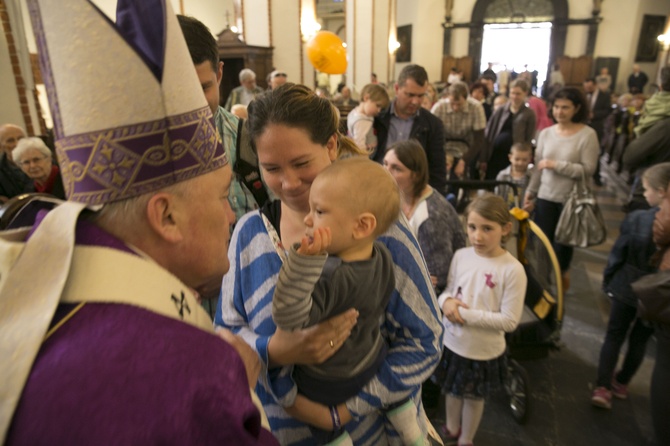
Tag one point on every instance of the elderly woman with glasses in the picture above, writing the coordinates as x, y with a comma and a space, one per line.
35, 159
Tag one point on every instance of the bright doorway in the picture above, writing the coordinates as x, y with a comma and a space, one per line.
512, 46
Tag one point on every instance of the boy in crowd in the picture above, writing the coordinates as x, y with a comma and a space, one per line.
374, 98
518, 172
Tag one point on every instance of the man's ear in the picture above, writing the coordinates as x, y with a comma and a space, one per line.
365, 226
219, 72
162, 216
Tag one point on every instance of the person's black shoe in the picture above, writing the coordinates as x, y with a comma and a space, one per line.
598, 182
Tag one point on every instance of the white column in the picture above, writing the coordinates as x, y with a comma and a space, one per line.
370, 24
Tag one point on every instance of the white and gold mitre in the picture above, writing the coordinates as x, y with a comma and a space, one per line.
129, 113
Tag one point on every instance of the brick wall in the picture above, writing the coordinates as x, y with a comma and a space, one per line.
19, 78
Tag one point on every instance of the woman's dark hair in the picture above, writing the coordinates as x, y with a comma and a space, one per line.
479, 86
578, 100
297, 106
411, 155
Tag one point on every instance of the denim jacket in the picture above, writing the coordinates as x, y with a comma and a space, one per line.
630, 256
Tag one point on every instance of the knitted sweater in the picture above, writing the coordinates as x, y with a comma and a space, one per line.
574, 155
440, 232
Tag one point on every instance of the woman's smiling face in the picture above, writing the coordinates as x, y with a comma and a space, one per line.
290, 161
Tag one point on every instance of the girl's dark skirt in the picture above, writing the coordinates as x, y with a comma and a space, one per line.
468, 378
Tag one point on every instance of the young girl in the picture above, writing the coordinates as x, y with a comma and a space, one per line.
628, 261
360, 120
483, 300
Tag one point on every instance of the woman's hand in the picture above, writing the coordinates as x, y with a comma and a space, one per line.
546, 164
311, 345
252, 363
316, 414
528, 203
450, 310
433, 280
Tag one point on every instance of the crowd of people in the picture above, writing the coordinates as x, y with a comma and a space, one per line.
346, 284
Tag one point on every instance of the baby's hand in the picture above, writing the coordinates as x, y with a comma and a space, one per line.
317, 245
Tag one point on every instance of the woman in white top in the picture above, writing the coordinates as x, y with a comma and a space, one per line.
566, 152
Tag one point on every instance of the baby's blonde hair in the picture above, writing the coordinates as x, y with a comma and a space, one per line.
366, 187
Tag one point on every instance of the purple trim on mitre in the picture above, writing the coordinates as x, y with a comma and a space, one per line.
45, 66
114, 164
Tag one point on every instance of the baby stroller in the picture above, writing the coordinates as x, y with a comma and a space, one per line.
541, 320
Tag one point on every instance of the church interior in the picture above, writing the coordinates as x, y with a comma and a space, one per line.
581, 39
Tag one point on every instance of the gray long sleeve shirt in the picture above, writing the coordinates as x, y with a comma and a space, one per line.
311, 289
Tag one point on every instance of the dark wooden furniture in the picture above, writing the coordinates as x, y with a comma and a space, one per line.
575, 69
463, 64
236, 55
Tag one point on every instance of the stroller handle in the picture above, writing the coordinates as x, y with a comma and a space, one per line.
482, 184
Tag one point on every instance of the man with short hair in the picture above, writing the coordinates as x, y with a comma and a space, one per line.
10, 135
637, 80
343, 97
489, 72
13, 181
600, 105
277, 79
489, 81
97, 311
205, 55
464, 123
405, 119
246, 92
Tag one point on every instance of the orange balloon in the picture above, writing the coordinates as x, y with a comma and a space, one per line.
326, 53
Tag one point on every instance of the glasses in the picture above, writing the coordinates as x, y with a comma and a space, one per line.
27, 163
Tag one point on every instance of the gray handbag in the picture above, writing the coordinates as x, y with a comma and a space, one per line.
581, 223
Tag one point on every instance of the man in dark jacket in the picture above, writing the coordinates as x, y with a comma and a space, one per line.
601, 106
405, 119
637, 80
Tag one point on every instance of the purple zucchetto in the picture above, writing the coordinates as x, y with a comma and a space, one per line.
129, 113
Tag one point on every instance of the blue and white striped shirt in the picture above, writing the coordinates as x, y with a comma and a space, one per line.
411, 327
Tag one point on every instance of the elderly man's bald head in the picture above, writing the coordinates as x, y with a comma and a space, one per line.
9, 137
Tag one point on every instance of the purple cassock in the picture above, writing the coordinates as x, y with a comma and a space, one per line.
118, 374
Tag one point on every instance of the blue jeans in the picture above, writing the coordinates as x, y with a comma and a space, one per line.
546, 217
622, 316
